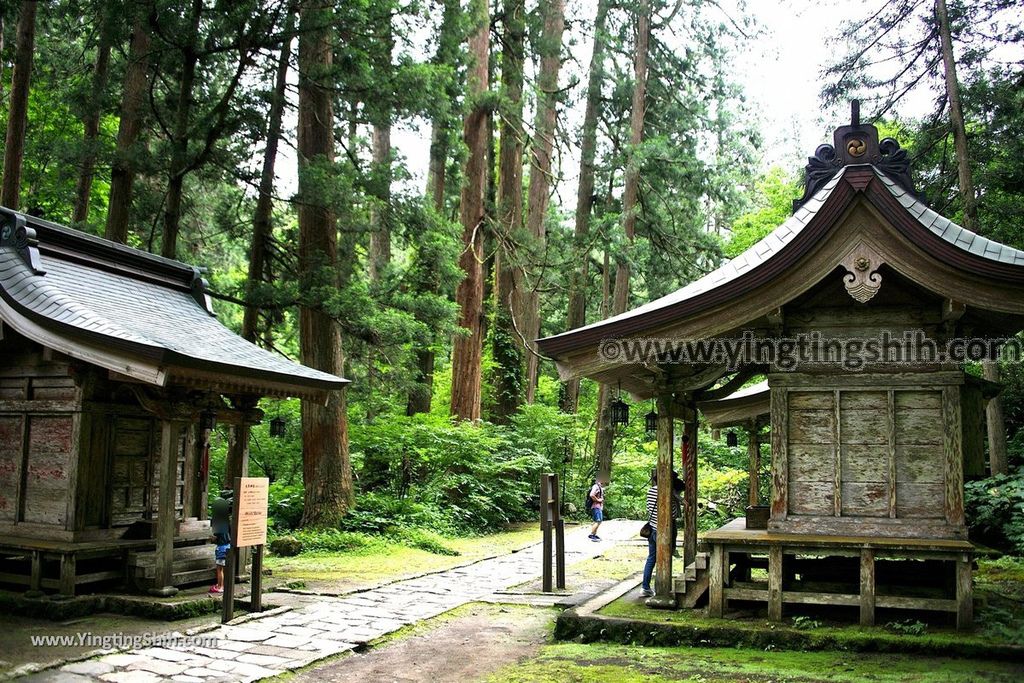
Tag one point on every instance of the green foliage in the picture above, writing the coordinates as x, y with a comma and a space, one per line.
774, 193
805, 623
908, 627
995, 510
335, 540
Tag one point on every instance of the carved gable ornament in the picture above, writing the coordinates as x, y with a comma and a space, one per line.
862, 279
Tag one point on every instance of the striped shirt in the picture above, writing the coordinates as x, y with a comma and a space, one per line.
652, 506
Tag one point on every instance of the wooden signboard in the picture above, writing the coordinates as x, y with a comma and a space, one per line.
248, 528
251, 512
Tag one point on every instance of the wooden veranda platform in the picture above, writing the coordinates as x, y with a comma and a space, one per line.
801, 570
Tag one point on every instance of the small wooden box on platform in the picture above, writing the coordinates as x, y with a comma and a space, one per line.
757, 516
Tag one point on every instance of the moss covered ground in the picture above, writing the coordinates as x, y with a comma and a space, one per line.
567, 662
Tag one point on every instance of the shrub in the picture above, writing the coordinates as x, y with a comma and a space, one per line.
995, 510
424, 540
335, 540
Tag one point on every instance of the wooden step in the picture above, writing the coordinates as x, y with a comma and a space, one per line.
149, 571
188, 552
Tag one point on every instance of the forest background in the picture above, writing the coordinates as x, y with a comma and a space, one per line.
582, 158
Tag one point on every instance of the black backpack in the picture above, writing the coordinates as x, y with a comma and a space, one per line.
589, 505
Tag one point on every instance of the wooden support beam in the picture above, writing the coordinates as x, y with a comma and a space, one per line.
780, 464
663, 594
954, 456
867, 587
167, 473
730, 387
68, 568
716, 587
964, 593
775, 583
689, 464
753, 464
35, 580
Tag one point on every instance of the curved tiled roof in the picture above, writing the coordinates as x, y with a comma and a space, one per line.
140, 305
767, 248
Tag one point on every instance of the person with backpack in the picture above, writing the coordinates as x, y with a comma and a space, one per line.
595, 504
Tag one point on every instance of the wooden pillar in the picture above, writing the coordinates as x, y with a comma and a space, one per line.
780, 463
964, 592
68, 568
36, 578
165, 518
754, 464
689, 464
775, 583
716, 581
867, 587
663, 594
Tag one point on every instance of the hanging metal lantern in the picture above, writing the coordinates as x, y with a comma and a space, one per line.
207, 420
619, 412
730, 440
651, 422
278, 427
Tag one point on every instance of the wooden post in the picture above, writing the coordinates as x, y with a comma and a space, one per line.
256, 582
867, 587
716, 587
168, 477
775, 583
560, 554
67, 574
550, 522
36, 581
754, 464
663, 595
964, 593
780, 463
690, 489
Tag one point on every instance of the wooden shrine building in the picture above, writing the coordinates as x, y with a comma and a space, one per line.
113, 371
868, 453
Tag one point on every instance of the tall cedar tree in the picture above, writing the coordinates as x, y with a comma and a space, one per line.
17, 118
630, 194
468, 346
260, 270
577, 314
441, 127
326, 470
93, 111
550, 51
506, 347
133, 94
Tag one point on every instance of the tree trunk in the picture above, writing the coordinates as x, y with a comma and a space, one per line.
956, 119
996, 426
467, 352
506, 346
447, 53
326, 470
550, 50
262, 227
577, 314
603, 439
91, 119
122, 173
180, 136
620, 296
17, 113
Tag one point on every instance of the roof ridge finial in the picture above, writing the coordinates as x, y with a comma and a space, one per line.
855, 113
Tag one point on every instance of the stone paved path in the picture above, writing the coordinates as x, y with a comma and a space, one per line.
328, 626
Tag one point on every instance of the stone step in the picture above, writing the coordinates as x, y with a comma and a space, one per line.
149, 571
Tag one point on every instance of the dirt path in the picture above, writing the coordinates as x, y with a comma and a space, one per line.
466, 645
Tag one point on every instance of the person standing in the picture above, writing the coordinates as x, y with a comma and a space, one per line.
597, 507
652, 540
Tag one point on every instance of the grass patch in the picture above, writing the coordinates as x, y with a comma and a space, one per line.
563, 662
362, 565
